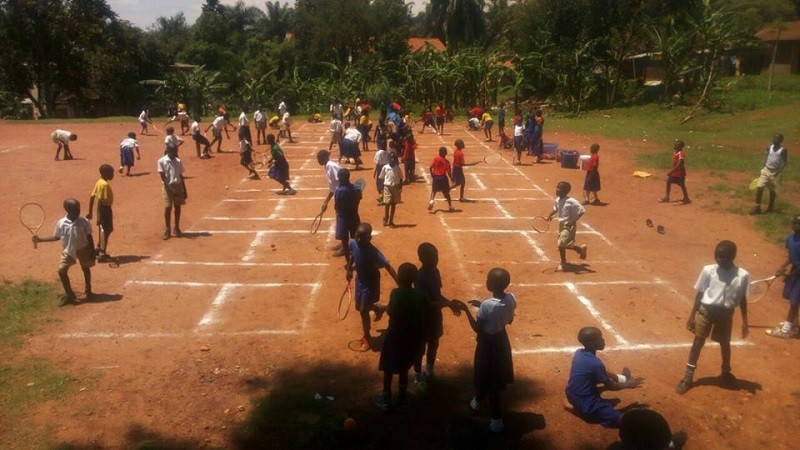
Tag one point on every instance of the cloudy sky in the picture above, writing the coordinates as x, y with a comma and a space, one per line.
144, 13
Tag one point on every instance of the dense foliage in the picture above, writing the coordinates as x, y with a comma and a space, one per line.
571, 53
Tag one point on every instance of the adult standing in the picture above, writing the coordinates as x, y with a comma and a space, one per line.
775, 160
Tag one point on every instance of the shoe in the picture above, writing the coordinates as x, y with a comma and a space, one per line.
56, 158
177, 232
363, 345
430, 205
66, 300
382, 402
420, 386
663, 200
120, 169
165, 236
338, 253
727, 378
103, 257
496, 425
649, 223
560, 267
686, 201
582, 251
679, 439
379, 310
779, 333
755, 211
385, 221
597, 202
473, 406
683, 386
291, 192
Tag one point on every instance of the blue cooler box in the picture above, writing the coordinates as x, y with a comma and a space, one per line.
569, 159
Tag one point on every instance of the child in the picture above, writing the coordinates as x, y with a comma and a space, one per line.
77, 245
493, 367
429, 283
677, 175
441, 113
261, 125
501, 119
126, 150
645, 429
244, 126
364, 126
105, 216
568, 211
171, 139
591, 184
348, 146
586, 372
392, 188
486, 121
474, 124
406, 312
170, 168
440, 172
410, 157
458, 170
721, 287
519, 141
199, 139
770, 176
537, 143
144, 120
246, 154
345, 203
279, 166
182, 118
337, 132
381, 159
791, 288
62, 139
216, 127
286, 125
427, 120
366, 261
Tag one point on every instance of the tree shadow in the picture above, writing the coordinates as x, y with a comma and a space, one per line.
139, 437
736, 385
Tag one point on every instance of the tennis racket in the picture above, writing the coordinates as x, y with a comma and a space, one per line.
492, 159
345, 301
754, 184
260, 161
316, 223
541, 224
759, 288
154, 128
360, 184
31, 215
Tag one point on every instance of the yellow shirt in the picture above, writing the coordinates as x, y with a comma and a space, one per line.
363, 120
486, 117
102, 192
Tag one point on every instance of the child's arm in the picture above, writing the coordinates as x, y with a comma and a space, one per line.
695, 307
185, 191
91, 207
745, 325
326, 201
474, 323
138, 155
392, 273
37, 239
623, 380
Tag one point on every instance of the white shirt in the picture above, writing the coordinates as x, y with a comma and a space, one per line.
244, 146
285, 118
172, 140
390, 175
568, 209
332, 175
172, 169
336, 109
497, 313
336, 126
74, 235
518, 130
63, 136
180, 116
243, 122
218, 122
282, 108
775, 158
352, 134
720, 287
381, 158
143, 116
129, 143
259, 116
195, 128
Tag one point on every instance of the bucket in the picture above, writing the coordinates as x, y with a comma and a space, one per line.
583, 161
549, 150
569, 159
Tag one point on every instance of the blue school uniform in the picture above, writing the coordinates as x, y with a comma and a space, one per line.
368, 262
586, 373
791, 290
346, 200
429, 283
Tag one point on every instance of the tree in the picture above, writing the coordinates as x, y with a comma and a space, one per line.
458, 22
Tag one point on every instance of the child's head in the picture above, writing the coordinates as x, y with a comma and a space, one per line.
591, 338
679, 144
346, 125
497, 280
271, 139
563, 188
538, 113
406, 275
777, 139
106, 172
343, 176
363, 233
594, 148
644, 429
73, 137
172, 151
442, 151
725, 253
392, 158
73, 208
169, 130
323, 156
459, 143
796, 224
132, 135
428, 254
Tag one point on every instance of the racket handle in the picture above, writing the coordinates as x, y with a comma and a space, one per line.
34, 245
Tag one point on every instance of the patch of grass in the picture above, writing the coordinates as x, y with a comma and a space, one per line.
21, 307
720, 187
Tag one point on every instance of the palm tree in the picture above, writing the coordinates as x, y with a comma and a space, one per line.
458, 22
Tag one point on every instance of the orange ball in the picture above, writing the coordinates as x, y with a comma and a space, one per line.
350, 425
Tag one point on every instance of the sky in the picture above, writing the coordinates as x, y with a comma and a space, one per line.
143, 13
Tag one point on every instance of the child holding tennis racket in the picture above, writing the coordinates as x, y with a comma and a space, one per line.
494, 368
568, 211
721, 287
279, 166
458, 170
345, 202
366, 260
77, 245
406, 311
104, 196
791, 288
440, 172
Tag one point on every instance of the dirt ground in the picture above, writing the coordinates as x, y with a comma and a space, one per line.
222, 338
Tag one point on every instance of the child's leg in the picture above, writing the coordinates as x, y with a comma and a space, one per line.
177, 219
694, 355
461, 191
387, 384
64, 277
725, 351
496, 405
58, 151
791, 317
391, 213
402, 384
685, 192
386, 208
67, 153
364, 313
197, 148
772, 197
666, 194
87, 280
562, 253
167, 218
430, 356
447, 197
433, 195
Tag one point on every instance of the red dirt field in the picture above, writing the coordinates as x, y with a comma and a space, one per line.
222, 338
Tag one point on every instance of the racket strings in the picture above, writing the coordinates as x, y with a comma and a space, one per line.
32, 216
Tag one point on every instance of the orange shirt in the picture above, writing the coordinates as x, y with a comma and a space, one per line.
458, 158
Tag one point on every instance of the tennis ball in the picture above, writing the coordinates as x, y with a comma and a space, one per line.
226, 188
350, 425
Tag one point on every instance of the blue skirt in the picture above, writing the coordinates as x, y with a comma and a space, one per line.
126, 157
279, 171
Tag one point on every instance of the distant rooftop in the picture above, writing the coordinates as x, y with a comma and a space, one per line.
416, 44
790, 31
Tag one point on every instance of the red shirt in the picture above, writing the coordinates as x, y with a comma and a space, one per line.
458, 158
440, 111
681, 170
440, 166
409, 149
476, 112
594, 162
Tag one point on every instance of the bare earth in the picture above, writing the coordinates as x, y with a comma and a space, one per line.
189, 337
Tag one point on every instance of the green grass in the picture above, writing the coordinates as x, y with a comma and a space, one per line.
21, 307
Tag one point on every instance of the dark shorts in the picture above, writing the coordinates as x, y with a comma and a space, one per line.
440, 184
346, 230
350, 149
279, 171
596, 410
458, 176
246, 158
439, 120
105, 218
200, 139
519, 143
592, 182
680, 181
714, 321
488, 125
791, 290
410, 164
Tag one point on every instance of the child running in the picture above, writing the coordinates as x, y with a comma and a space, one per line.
406, 312
246, 154
216, 127
104, 196
77, 245
591, 184
199, 140
279, 166
568, 211
791, 288
493, 366
721, 287
587, 372
345, 201
458, 170
62, 138
366, 261
677, 174
381, 159
126, 150
440, 172
392, 188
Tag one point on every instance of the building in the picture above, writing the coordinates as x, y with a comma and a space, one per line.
784, 41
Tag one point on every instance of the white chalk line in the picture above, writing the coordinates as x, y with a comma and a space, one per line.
250, 200
212, 232
511, 263
457, 249
233, 264
254, 244
211, 284
262, 219
478, 181
567, 284
502, 210
626, 347
144, 335
219, 300
596, 314
532, 242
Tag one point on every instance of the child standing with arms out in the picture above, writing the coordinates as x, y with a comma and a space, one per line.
345, 201
440, 172
279, 166
62, 139
493, 367
77, 245
126, 149
406, 312
791, 290
568, 211
104, 196
677, 175
173, 187
591, 185
721, 287
458, 170
366, 261
392, 188
588, 371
